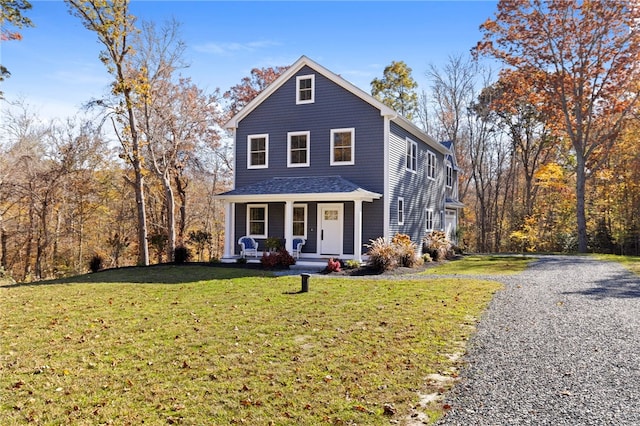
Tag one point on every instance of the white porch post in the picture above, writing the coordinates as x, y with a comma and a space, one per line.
228, 229
357, 230
288, 226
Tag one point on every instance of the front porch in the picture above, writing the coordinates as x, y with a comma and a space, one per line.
327, 212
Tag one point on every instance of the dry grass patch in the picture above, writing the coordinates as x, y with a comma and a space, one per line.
244, 350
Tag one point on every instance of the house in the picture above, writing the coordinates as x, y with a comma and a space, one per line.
318, 158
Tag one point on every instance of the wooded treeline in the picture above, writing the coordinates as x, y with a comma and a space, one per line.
544, 143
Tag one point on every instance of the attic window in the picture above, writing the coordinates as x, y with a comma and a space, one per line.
305, 89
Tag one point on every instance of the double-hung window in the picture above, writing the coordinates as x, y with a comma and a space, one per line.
300, 220
298, 147
257, 215
429, 220
343, 146
412, 155
305, 89
449, 172
400, 211
257, 151
431, 165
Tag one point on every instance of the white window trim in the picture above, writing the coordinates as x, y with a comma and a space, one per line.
306, 219
448, 174
414, 149
266, 155
289, 135
353, 147
401, 208
299, 78
431, 168
266, 220
429, 214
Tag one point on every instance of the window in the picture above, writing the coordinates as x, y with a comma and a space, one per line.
343, 146
257, 220
431, 165
305, 89
298, 146
429, 220
412, 155
257, 151
400, 211
449, 171
300, 220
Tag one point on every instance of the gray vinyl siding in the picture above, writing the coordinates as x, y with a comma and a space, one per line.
373, 222
419, 192
334, 108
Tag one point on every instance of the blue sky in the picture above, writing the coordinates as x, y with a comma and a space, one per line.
55, 68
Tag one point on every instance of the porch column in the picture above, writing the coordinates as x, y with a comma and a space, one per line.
357, 230
288, 226
228, 229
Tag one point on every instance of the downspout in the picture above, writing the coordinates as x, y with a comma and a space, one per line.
386, 199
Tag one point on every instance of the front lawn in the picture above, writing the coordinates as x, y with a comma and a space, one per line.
483, 265
214, 346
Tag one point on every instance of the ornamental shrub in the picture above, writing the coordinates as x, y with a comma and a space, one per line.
333, 265
437, 246
382, 255
277, 259
405, 250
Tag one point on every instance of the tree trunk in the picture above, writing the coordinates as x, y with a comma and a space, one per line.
581, 218
143, 247
170, 205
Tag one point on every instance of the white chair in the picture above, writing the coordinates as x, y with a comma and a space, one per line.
297, 246
248, 246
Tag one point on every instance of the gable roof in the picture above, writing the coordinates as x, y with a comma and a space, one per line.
385, 111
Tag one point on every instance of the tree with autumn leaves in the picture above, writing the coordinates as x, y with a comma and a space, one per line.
583, 59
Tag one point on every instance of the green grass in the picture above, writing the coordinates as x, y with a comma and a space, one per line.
483, 265
215, 346
632, 263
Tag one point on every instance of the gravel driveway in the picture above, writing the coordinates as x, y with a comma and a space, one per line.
559, 346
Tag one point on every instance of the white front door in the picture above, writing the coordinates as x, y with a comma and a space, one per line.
331, 224
450, 224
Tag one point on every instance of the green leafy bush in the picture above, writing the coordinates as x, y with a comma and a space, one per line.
181, 255
352, 264
96, 263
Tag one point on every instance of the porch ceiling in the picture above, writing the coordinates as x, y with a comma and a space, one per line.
308, 188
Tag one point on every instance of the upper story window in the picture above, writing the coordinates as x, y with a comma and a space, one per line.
257, 220
431, 165
298, 148
305, 89
257, 151
400, 211
343, 146
449, 174
412, 155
